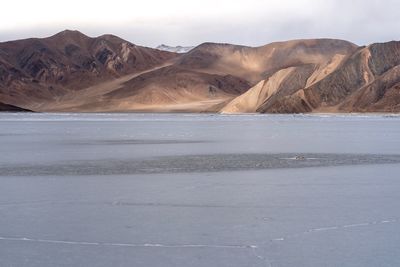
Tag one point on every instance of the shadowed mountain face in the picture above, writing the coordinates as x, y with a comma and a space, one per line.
73, 72
11, 108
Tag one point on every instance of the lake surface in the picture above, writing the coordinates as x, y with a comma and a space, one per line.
199, 190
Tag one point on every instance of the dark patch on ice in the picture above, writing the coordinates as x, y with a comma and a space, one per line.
196, 163
138, 142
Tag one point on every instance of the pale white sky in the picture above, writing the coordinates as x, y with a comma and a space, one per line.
176, 22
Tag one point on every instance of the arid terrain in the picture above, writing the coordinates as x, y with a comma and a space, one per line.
71, 72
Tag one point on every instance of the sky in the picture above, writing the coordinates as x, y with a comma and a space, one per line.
176, 22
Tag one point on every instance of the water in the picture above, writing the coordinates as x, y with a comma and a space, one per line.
199, 190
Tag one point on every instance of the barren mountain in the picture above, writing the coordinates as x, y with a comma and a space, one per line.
365, 81
73, 72
34, 71
257, 63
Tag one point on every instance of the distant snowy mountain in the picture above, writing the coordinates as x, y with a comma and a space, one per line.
175, 49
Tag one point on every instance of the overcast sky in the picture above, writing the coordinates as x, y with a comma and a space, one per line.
175, 22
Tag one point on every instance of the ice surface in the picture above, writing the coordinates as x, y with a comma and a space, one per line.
199, 190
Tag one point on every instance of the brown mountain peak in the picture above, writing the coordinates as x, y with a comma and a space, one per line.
70, 33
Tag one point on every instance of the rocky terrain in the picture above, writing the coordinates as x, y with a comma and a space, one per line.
366, 80
34, 72
73, 72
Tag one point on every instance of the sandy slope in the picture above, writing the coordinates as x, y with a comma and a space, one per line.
75, 99
161, 89
250, 101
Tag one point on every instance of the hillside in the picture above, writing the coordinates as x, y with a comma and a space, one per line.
35, 71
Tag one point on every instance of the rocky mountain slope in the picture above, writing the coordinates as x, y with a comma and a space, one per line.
365, 81
34, 71
257, 63
73, 72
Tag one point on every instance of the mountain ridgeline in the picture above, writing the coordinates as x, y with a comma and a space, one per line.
71, 72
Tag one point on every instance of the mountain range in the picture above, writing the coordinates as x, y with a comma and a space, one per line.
71, 72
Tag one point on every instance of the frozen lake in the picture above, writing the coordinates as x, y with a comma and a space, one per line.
199, 190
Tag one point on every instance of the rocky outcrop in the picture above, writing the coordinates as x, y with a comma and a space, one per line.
382, 95
264, 95
361, 82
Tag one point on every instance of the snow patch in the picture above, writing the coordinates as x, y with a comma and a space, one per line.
175, 49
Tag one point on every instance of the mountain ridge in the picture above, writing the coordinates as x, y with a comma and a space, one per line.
70, 71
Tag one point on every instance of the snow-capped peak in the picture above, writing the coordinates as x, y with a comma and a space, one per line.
175, 49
